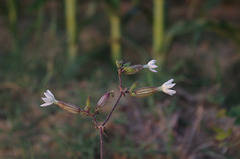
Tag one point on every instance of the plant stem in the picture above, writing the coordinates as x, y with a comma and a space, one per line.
109, 115
158, 28
12, 17
95, 120
115, 35
70, 12
120, 79
101, 143
121, 93
101, 128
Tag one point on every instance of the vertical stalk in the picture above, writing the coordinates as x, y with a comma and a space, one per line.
12, 14
53, 22
158, 34
115, 35
101, 143
158, 28
39, 21
70, 13
53, 17
150, 82
12, 17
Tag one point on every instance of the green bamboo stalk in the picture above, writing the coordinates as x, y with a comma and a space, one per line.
115, 26
12, 17
158, 29
70, 13
12, 14
39, 21
158, 35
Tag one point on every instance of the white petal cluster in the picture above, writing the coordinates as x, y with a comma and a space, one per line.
49, 99
151, 65
166, 87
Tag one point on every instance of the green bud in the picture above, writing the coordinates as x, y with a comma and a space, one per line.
112, 93
88, 102
68, 107
145, 91
132, 69
119, 63
134, 85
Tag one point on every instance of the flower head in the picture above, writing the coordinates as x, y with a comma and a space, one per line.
151, 65
49, 99
166, 87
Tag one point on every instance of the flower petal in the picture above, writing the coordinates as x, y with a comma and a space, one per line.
152, 62
168, 82
154, 66
47, 100
170, 85
151, 69
47, 95
50, 93
170, 92
45, 104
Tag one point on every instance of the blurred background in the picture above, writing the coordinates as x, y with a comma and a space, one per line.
70, 47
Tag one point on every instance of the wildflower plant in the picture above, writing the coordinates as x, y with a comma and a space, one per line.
88, 110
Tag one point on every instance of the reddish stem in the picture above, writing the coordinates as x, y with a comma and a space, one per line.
101, 143
101, 128
109, 115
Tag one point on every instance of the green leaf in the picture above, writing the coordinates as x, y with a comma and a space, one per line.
221, 134
127, 64
234, 111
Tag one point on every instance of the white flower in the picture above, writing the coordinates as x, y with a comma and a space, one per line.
166, 87
151, 65
49, 99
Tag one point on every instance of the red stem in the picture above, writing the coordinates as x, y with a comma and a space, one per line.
109, 115
95, 120
101, 129
101, 143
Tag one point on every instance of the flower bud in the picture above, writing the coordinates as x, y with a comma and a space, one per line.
145, 91
134, 85
68, 107
133, 69
104, 99
88, 101
119, 63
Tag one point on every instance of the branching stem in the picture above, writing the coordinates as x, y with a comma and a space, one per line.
109, 115
101, 127
95, 120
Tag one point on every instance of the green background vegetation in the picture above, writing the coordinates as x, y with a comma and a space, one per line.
70, 47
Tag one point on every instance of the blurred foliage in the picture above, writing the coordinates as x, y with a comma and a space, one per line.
235, 112
201, 48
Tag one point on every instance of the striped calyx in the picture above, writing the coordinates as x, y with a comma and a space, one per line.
68, 107
130, 70
145, 91
103, 100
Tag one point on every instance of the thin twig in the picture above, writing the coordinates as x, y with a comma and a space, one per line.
109, 115
120, 79
121, 93
101, 143
95, 120
101, 128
